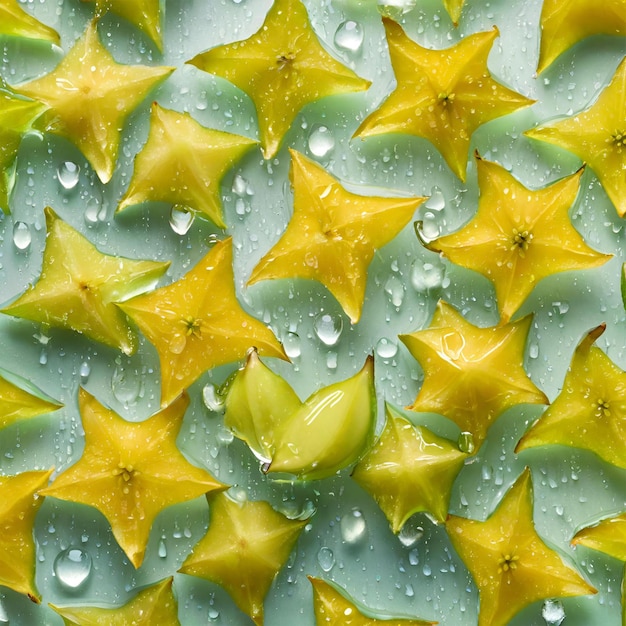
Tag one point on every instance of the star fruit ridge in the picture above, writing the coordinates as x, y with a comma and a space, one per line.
282, 67
14, 21
131, 471
509, 562
333, 234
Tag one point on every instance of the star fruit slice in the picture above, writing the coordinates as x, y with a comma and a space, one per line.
152, 606
335, 608
608, 536
258, 402
79, 286
20, 399
331, 430
16, 22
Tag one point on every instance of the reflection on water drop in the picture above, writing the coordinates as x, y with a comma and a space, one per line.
321, 140
466, 442
349, 36
426, 276
326, 558
68, 173
214, 613
72, 567
181, 219
353, 527
386, 349
411, 532
212, 399
22, 236
328, 328
553, 612
291, 344
4, 616
125, 383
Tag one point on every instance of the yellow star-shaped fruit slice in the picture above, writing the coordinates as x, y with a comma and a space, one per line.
153, 605
441, 95
131, 471
89, 96
333, 234
245, 547
282, 67
511, 565
590, 411
196, 323
598, 137
19, 504
608, 536
334, 608
454, 8
183, 163
471, 374
14, 21
519, 236
565, 22
409, 469
20, 399
144, 14
79, 285
16, 118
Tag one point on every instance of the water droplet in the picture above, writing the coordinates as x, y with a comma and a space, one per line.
212, 399
4, 616
430, 226
349, 36
353, 527
126, 384
181, 219
427, 570
68, 173
92, 211
328, 328
386, 349
395, 9
321, 140
214, 613
533, 350
466, 442
84, 371
224, 436
436, 202
553, 612
394, 288
326, 558
411, 532
291, 344
22, 236
72, 567
425, 276
162, 552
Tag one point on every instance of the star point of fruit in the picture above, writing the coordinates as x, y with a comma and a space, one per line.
333, 234
471, 374
335, 608
566, 22
131, 471
519, 236
408, 470
282, 67
152, 605
454, 9
89, 97
14, 21
197, 323
590, 412
597, 136
510, 563
184, 163
608, 536
19, 503
245, 547
79, 285
441, 95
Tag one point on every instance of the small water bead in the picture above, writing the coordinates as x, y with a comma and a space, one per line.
328, 328
428, 275
553, 612
162, 551
321, 140
22, 237
349, 36
214, 613
68, 174
72, 567
411, 532
84, 371
212, 398
353, 526
181, 219
4, 617
386, 349
292, 345
466, 443
326, 558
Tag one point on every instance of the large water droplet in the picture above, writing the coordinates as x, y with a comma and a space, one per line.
181, 219
386, 349
353, 527
553, 612
326, 558
291, 344
22, 236
72, 567
328, 328
349, 36
68, 173
411, 532
84, 371
436, 202
321, 140
466, 442
125, 384
212, 399
214, 613
425, 276
394, 288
